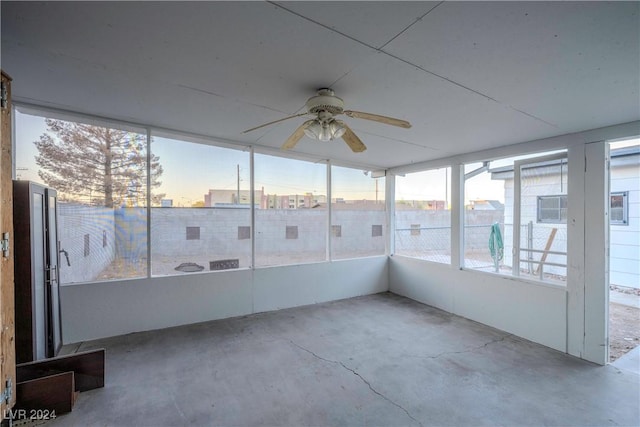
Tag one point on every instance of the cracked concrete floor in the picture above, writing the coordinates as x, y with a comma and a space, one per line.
378, 360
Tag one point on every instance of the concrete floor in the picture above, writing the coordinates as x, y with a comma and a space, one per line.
376, 360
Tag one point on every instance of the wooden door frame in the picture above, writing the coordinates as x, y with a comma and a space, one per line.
7, 316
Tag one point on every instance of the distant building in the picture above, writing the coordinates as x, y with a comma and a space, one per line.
340, 203
293, 201
166, 203
226, 198
429, 205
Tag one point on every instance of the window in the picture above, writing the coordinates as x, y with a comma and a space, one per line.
423, 216
619, 209
200, 206
193, 233
515, 216
357, 202
624, 213
552, 209
291, 192
159, 204
100, 173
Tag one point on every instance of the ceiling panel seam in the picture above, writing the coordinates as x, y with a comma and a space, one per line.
534, 117
381, 50
411, 25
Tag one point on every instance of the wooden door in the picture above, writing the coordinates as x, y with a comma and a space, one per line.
7, 331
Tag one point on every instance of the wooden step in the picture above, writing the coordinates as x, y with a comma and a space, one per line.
87, 366
51, 386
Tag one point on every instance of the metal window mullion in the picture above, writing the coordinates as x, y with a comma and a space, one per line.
329, 237
390, 196
252, 208
517, 194
457, 216
148, 130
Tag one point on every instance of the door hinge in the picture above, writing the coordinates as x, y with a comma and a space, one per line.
7, 393
4, 96
4, 245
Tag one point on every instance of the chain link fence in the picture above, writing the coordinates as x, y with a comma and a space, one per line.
543, 248
429, 243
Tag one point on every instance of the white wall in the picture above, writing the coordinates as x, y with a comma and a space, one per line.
624, 262
572, 318
529, 310
98, 310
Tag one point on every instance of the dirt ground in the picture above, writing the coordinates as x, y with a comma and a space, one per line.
624, 329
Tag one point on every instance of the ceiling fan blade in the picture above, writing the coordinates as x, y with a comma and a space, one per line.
294, 138
275, 121
377, 118
353, 141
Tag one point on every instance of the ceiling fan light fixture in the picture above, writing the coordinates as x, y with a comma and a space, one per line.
313, 128
336, 129
324, 130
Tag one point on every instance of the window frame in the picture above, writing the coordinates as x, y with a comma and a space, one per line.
625, 208
559, 218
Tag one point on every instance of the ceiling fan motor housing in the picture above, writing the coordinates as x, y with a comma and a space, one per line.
325, 100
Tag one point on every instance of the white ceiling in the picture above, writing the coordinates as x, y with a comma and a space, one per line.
467, 75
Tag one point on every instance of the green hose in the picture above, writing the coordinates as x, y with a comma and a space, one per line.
495, 239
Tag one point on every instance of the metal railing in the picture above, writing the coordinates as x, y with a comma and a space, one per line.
540, 253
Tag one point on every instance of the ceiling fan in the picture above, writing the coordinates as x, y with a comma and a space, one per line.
325, 127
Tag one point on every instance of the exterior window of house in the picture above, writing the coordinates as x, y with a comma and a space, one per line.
619, 209
415, 229
336, 231
552, 209
376, 231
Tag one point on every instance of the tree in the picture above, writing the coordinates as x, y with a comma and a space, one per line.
100, 165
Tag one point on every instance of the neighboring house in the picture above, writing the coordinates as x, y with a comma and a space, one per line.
544, 209
485, 205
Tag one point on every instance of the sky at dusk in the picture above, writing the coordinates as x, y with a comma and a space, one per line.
191, 169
